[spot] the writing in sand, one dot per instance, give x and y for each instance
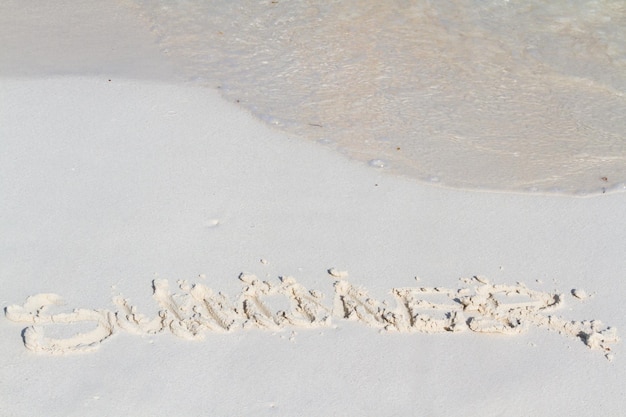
(193, 310)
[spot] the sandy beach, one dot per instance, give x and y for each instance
(183, 257)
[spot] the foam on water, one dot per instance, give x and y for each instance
(497, 95)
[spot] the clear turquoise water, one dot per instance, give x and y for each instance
(523, 96)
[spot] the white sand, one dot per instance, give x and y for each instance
(109, 185)
(106, 184)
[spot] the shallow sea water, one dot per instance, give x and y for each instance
(522, 96)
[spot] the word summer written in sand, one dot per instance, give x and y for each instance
(195, 310)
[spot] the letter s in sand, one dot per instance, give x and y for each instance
(33, 311)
